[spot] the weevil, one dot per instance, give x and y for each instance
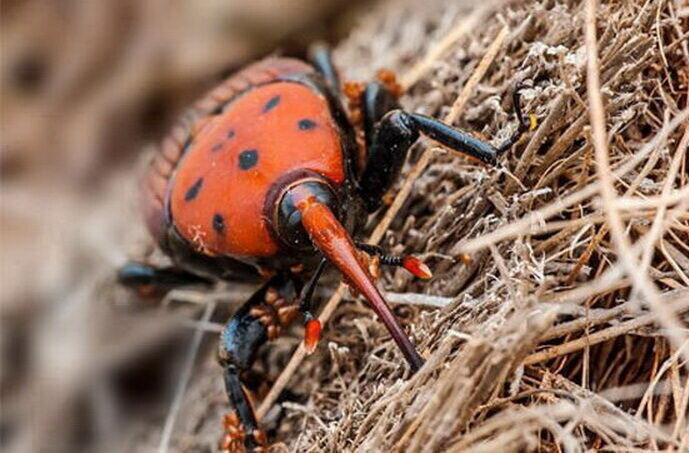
(270, 176)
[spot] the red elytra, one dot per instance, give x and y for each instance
(219, 190)
(175, 158)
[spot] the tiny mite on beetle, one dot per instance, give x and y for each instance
(269, 177)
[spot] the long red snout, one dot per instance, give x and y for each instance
(330, 237)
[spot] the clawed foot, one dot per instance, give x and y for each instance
(236, 440)
(312, 333)
(373, 257)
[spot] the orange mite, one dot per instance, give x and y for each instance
(268, 177)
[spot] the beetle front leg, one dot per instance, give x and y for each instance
(269, 311)
(466, 144)
(386, 153)
(389, 140)
(312, 326)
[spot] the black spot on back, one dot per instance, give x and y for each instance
(218, 223)
(230, 133)
(248, 159)
(271, 104)
(306, 124)
(193, 191)
(217, 147)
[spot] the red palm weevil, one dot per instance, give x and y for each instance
(269, 176)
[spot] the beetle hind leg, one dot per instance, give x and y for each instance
(241, 427)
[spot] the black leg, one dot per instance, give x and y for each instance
(524, 125)
(312, 326)
(261, 318)
(306, 296)
(377, 100)
(390, 137)
(321, 59)
(465, 143)
(151, 281)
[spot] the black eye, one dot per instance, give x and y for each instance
(289, 227)
(293, 232)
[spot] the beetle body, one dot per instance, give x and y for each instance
(270, 176)
(208, 192)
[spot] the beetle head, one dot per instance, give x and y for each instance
(288, 218)
(306, 218)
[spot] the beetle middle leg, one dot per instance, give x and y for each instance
(269, 311)
(150, 281)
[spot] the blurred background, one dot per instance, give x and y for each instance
(87, 90)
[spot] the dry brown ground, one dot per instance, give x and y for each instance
(567, 328)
